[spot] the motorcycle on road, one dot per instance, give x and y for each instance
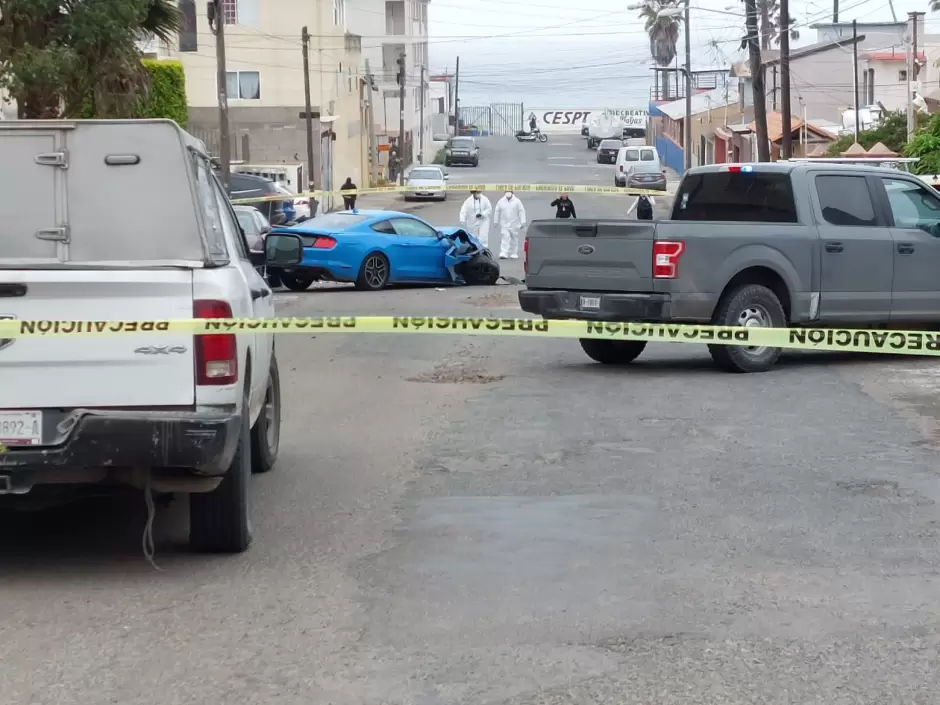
(535, 135)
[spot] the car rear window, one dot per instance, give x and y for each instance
(755, 197)
(647, 155)
(632, 155)
(461, 144)
(336, 221)
(611, 144)
(425, 174)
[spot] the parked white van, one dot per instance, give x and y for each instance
(168, 413)
(630, 157)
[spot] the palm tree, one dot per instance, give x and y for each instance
(663, 31)
(771, 23)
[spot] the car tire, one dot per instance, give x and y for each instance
(612, 352)
(476, 162)
(370, 272)
(297, 282)
(266, 433)
(446, 162)
(219, 521)
(748, 305)
(480, 270)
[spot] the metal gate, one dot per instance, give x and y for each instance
(493, 119)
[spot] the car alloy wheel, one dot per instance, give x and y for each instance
(374, 274)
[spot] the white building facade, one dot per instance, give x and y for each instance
(390, 29)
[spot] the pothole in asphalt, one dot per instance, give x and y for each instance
(457, 373)
(872, 488)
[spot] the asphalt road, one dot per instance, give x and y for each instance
(502, 522)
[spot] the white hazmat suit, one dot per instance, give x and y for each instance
(475, 214)
(510, 217)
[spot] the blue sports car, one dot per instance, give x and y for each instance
(376, 248)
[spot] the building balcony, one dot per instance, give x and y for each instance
(669, 83)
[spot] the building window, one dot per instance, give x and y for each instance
(339, 13)
(902, 75)
(230, 11)
(243, 85)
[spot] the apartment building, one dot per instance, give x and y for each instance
(390, 29)
(265, 84)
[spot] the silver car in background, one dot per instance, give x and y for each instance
(646, 175)
(254, 225)
(426, 182)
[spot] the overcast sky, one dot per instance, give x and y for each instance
(594, 53)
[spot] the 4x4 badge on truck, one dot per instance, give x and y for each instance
(586, 249)
(6, 342)
(161, 350)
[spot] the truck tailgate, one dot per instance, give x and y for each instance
(590, 255)
(148, 370)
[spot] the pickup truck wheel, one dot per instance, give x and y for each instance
(266, 434)
(751, 305)
(612, 352)
(297, 282)
(218, 520)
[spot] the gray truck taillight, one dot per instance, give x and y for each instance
(666, 254)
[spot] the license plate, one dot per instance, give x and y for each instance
(590, 302)
(21, 428)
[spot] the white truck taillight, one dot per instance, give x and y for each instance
(216, 353)
(666, 254)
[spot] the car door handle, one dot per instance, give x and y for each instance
(905, 248)
(259, 294)
(834, 247)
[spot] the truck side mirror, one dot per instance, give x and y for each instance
(283, 250)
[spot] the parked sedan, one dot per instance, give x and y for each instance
(426, 182)
(254, 225)
(607, 151)
(646, 176)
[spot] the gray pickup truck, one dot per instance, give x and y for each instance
(778, 244)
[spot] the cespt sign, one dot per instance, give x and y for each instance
(571, 119)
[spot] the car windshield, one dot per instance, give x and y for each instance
(336, 221)
(611, 144)
(461, 144)
(248, 222)
(429, 174)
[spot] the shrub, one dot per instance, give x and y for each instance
(166, 95)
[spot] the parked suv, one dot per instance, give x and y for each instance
(161, 411)
(461, 150)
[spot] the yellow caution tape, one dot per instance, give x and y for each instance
(869, 341)
(516, 188)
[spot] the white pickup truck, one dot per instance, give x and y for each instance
(124, 220)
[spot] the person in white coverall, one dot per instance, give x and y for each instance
(475, 216)
(510, 217)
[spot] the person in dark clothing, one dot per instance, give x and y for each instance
(563, 206)
(349, 202)
(533, 123)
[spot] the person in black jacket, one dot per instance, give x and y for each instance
(349, 202)
(563, 206)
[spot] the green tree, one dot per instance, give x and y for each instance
(771, 22)
(925, 145)
(892, 133)
(64, 58)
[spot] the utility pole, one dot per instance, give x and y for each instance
(305, 40)
(688, 89)
(373, 146)
(773, 91)
(457, 99)
(912, 22)
(216, 17)
(855, 74)
(835, 11)
(401, 120)
(757, 81)
(421, 122)
(786, 145)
